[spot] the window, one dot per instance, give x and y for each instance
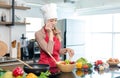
(102, 36)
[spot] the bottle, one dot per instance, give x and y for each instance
(3, 17)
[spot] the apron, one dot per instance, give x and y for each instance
(45, 58)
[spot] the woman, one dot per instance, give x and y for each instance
(49, 38)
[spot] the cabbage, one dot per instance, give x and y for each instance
(83, 60)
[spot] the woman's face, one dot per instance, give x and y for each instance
(52, 22)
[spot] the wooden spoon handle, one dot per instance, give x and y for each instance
(25, 63)
(52, 57)
(70, 57)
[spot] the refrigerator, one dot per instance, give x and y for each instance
(73, 36)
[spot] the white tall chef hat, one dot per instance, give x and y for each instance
(49, 11)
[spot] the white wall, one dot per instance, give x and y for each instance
(5, 34)
(18, 30)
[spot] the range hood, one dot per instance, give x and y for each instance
(70, 1)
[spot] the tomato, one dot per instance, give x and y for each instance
(72, 62)
(100, 62)
(96, 63)
(85, 66)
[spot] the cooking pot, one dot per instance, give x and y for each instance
(37, 68)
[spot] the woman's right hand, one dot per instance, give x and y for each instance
(48, 27)
(70, 52)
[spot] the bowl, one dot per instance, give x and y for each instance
(65, 67)
(112, 63)
(37, 68)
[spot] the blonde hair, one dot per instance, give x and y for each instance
(57, 33)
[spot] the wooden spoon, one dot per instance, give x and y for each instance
(25, 63)
(52, 57)
(70, 58)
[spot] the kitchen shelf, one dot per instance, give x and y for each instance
(21, 23)
(22, 7)
(5, 23)
(16, 23)
(5, 6)
(12, 8)
(16, 7)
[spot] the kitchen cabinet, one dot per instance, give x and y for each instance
(12, 8)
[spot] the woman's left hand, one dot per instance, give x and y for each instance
(70, 52)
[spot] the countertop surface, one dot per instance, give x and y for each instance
(112, 72)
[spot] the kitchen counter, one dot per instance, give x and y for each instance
(112, 72)
(11, 64)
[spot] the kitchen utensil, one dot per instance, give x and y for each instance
(24, 48)
(25, 63)
(65, 67)
(13, 43)
(70, 58)
(18, 50)
(3, 48)
(14, 52)
(52, 57)
(13, 49)
(37, 68)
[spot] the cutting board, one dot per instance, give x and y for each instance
(3, 48)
